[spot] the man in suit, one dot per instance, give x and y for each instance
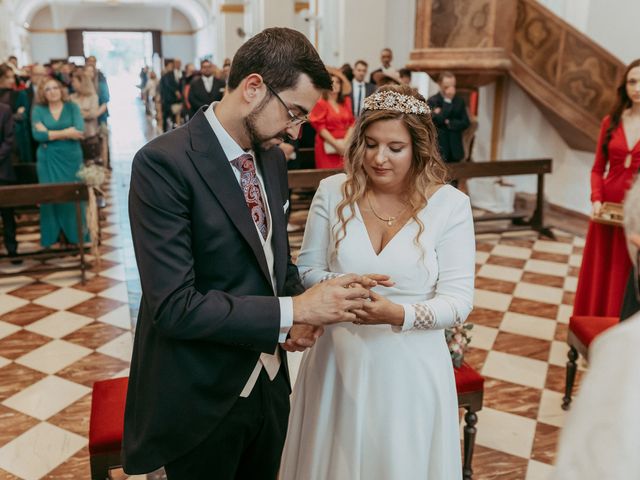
(386, 57)
(449, 114)
(7, 177)
(359, 88)
(205, 89)
(209, 389)
(170, 91)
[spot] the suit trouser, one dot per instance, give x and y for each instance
(8, 226)
(248, 442)
(630, 304)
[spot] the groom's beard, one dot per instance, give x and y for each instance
(260, 141)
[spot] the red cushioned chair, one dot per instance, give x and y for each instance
(106, 426)
(470, 388)
(582, 332)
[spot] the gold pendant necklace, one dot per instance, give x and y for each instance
(389, 221)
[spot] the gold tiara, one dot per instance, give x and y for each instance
(389, 100)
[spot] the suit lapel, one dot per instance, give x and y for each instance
(212, 165)
(267, 164)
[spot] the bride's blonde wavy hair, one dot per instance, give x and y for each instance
(427, 168)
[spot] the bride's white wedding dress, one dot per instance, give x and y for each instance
(376, 402)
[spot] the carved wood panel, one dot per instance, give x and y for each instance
(587, 77)
(461, 23)
(537, 41)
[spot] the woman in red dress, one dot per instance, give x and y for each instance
(605, 261)
(332, 119)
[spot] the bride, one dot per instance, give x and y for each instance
(376, 399)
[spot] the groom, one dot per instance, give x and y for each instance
(209, 388)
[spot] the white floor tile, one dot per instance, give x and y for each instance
(7, 329)
(498, 272)
(64, 298)
(66, 278)
(16, 269)
(558, 353)
(125, 373)
(515, 369)
(46, 397)
(575, 261)
(59, 324)
(117, 292)
(4, 362)
(492, 300)
(39, 450)
(512, 434)
(528, 325)
(512, 252)
(483, 337)
(116, 273)
(547, 268)
(120, 317)
(553, 247)
(538, 293)
(551, 411)
(9, 302)
(564, 313)
(570, 284)
(8, 284)
(120, 347)
(481, 257)
(538, 471)
(53, 356)
(113, 256)
(113, 241)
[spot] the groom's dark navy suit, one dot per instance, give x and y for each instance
(208, 308)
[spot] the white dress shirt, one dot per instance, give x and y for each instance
(232, 151)
(208, 83)
(359, 93)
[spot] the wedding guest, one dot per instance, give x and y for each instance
(7, 177)
(332, 119)
(206, 88)
(376, 399)
(386, 57)
(58, 126)
(605, 263)
(450, 118)
(360, 89)
(84, 95)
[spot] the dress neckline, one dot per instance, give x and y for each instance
(404, 226)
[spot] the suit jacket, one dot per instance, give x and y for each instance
(450, 136)
(169, 89)
(199, 97)
(369, 89)
(7, 174)
(208, 309)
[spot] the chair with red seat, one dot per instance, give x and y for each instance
(582, 332)
(470, 388)
(106, 426)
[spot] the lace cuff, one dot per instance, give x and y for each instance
(421, 316)
(425, 318)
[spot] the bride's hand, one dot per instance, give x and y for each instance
(380, 311)
(378, 279)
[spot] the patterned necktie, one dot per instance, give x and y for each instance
(251, 189)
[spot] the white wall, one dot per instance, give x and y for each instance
(179, 46)
(45, 46)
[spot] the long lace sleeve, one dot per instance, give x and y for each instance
(453, 300)
(313, 261)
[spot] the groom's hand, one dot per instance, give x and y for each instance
(332, 301)
(302, 337)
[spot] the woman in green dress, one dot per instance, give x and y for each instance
(58, 126)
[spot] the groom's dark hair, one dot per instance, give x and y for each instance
(280, 56)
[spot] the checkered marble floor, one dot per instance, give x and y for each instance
(58, 336)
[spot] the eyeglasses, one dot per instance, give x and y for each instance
(49, 89)
(294, 120)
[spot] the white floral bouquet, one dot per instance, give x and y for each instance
(458, 339)
(94, 176)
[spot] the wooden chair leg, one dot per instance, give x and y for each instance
(470, 419)
(572, 367)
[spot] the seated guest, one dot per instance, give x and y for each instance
(206, 88)
(332, 119)
(7, 177)
(598, 440)
(449, 113)
(360, 89)
(58, 126)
